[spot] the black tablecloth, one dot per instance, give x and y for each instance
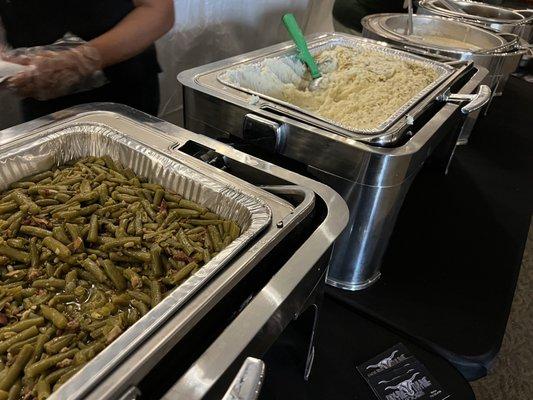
(346, 339)
(451, 268)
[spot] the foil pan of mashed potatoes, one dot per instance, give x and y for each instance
(365, 87)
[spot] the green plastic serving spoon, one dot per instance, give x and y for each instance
(301, 44)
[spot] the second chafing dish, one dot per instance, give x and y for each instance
(392, 131)
(371, 171)
(155, 154)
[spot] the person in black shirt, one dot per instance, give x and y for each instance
(120, 36)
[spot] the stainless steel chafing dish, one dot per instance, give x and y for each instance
(250, 293)
(501, 19)
(372, 172)
(500, 54)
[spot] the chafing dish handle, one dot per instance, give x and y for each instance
(247, 384)
(263, 132)
(475, 101)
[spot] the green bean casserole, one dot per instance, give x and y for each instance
(86, 250)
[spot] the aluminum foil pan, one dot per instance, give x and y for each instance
(443, 71)
(40, 152)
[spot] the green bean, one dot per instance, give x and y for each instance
(14, 392)
(234, 231)
(49, 283)
(119, 257)
(155, 258)
(205, 222)
(54, 316)
(140, 306)
(23, 325)
(133, 277)
(122, 241)
(114, 274)
(122, 299)
(23, 335)
(66, 376)
(39, 344)
(15, 349)
(43, 389)
(155, 291)
(41, 366)
(184, 242)
(110, 209)
(17, 243)
(8, 207)
(93, 268)
(85, 197)
(40, 176)
(59, 233)
(16, 368)
(16, 216)
(61, 298)
(89, 210)
(140, 255)
(46, 202)
(141, 296)
(34, 253)
(85, 186)
(24, 200)
(15, 254)
(93, 229)
(183, 273)
(88, 353)
(57, 247)
(54, 345)
(158, 196)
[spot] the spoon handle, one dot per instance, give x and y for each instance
(301, 44)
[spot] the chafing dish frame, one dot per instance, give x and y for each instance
(373, 179)
(117, 382)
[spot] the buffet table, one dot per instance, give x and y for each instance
(451, 298)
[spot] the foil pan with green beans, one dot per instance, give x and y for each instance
(86, 250)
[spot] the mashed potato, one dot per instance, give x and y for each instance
(359, 89)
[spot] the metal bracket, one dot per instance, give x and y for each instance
(475, 101)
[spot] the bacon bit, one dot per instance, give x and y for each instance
(64, 363)
(73, 325)
(33, 273)
(3, 319)
(163, 208)
(75, 245)
(40, 222)
(180, 255)
(27, 221)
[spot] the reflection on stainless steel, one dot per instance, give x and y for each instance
(498, 53)
(247, 384)
(487, 16)
(147, 134)
(372, 179)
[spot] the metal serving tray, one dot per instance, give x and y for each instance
(219, 96)
(151, 155)
(322, 44)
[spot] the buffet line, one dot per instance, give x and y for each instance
(142, 260)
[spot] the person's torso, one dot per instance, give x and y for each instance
(30, 23)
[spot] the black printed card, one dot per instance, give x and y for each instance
(401, 377)
(384, 361)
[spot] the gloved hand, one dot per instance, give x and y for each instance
(54, 73)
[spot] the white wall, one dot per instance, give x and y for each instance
(210, 30)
